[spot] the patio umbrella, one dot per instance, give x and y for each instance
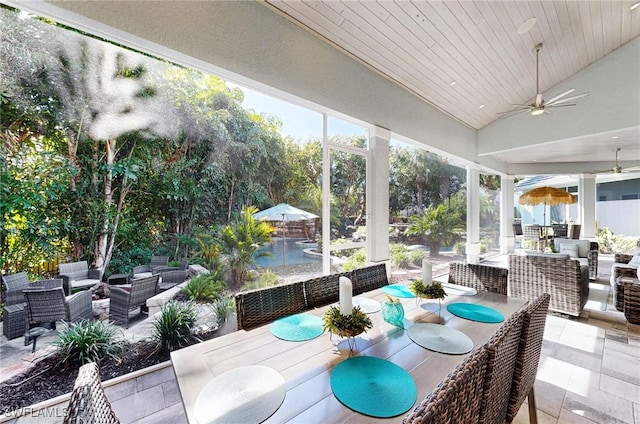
(548, 196)
(284, 212)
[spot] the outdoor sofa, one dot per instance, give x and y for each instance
(565, 279)
(77, 276)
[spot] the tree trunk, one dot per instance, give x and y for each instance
(101, 243)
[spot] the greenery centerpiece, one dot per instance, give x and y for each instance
(428, 291)
(346, 325)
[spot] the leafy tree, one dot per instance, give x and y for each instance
(438, 226)
(241, 242)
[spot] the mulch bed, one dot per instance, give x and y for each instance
(50, 378)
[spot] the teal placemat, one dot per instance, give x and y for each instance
(297, 328)
(398, 290)
(439, 338)
(474, 312)
(373, 386)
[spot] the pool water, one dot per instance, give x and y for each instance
(289, 254)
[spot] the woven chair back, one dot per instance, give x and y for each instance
(51, 283)
(324, 290)
(157, 261)
(480, 277)
(45, 305)
(529, 349)
(369, 278)
(88, 403)
(257, 307)
(457, 398)
(15, 284)
(502, 349)
(142, 289)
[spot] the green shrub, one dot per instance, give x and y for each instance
(204, 288)
(89, 341)
(358, 259)
(416, 256)
(266, 278)
(460, 248)
(174, 327)
(399, 256)
(608, 242)
(223, 307)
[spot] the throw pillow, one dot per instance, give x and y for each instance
(569, 249)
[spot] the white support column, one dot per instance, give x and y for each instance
(377, 186)
(507, 238)
(473, 215)
(587, 200)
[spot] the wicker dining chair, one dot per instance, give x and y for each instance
(369, 278)
(122, 301)
(479, 277)
(502, 349)
(528, 358)
(632, 302)
(51, 305)
(257, 307)
(532, 235)
(321, 291)
(457, 398)
(88, 403)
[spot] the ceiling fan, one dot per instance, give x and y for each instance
(539, 105)
(617, 169)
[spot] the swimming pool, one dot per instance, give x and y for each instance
(291, 254)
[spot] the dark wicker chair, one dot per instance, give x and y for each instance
(526, 369)
(560, 230)
(369, 278)
(88, 403)
(502, 349)
(621, 268)
(143, 271)
(632, 302)
(257, 307)
(457, 398)
(13, 321)
(122, 301)
(78, 276)
(480, 277)
(51, 305)
(532, 236)
(324, 290)
(171, 278)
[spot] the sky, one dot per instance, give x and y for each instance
(298, 122)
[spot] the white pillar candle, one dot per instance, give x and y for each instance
(346, 293)
(426, 271)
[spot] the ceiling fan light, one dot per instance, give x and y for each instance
(538, 110)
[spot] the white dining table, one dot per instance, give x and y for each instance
(306, 366)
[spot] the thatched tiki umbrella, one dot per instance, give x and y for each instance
(549, 196)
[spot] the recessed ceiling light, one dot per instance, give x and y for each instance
(452, 83)
(527, 25)
(481, 106)
(635, 5)
(615, 137)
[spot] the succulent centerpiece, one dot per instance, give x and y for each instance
(346, 325)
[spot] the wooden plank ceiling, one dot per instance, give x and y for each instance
(468, 57)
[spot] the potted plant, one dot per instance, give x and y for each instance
(346, 325)
(392, 311)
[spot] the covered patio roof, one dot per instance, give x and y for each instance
(290, 50)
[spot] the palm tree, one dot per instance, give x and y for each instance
(437, 226)
(241, 242)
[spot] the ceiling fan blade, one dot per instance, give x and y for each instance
(568, 99)
(561, 95)
(557, 105)
(511, 113)
(522, 109)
